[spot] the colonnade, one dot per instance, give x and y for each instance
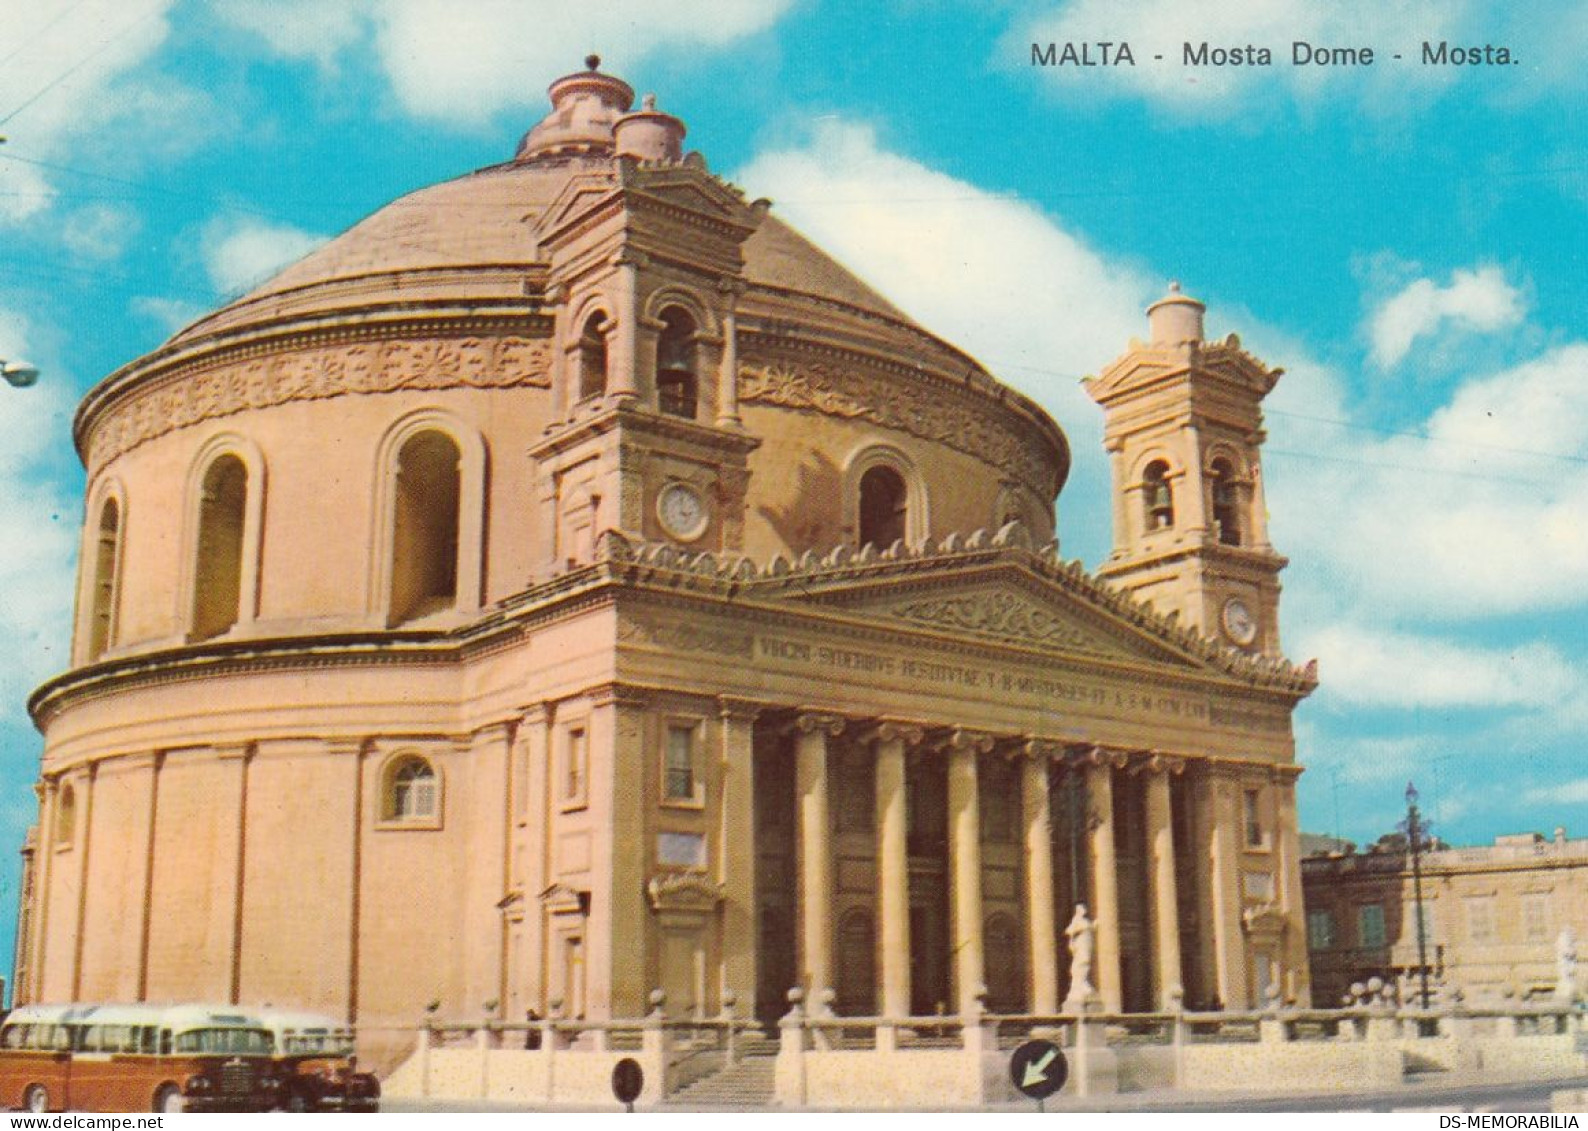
(892, 742)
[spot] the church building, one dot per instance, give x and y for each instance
(571, 582)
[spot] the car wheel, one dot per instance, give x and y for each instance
(168, 1100)
(36, 1098)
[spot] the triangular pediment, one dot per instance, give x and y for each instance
(1021, 611)
(580, 195)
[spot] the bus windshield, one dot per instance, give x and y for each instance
(317, 1042)
(246, 1042)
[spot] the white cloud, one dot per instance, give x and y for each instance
(63, 58)
(38, 527)
(1154, 27)
(1476, 517)
(99, 231)
(992, 274)
(1478, 300)
(308, 29)
(170, 314)
(1574, 792)
(465, 62)
(239, 254)
(1379, 667)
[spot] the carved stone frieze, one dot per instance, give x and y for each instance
(912, 407)
(319, 373)
(687, 638)
(1004, 616)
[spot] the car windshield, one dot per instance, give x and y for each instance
(248, 1042)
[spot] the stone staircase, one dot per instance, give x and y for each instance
(748, 1084)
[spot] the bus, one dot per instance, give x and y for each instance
(317, 1064)
(163, 1058)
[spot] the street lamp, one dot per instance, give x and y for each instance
(1416, 831)
(19, 373)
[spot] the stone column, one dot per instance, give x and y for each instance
(623, 348)
(1224, 892)
(728, 375)
(811, 733)
(964, 854)
(533, 850)
(735, 850)
(893, 867)
(1105, 882)
(1287, 854)
(1162, 893)
(1041, 928)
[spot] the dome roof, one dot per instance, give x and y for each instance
(474, 237)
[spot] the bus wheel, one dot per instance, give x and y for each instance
(168, 1099)
(36, 1098)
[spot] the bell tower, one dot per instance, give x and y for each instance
(642, 257)
(1183, 426)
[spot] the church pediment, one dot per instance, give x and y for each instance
(1007, 612)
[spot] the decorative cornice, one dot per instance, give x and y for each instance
(728, 574)
(223, 384)
(968, 425)
(683, 891)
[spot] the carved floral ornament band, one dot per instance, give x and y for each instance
(196, 395)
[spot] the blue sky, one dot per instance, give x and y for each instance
(1407, 241)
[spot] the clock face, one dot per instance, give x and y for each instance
(1239, 623)
(682, 511)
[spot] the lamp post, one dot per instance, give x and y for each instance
(1415, 831)
(18, 373)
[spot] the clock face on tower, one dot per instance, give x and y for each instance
(682, 511)
(1240, 625)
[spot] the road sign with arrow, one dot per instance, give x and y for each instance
(1038, 1069)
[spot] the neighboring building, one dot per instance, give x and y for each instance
(1492, 920)
(570, 582)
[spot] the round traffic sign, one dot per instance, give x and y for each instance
(1038, 1069)
(628, 1080)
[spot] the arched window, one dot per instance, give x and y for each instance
(107, 561)
(1226, 502)
(410, 792)
(218, 575)
(884, 507)
(424, 575)
(677, 388)
(856, 990)
(1157, 496)
(66, 817)
(593, 357)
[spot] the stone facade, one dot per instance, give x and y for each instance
(570, 582)
(1492, 926)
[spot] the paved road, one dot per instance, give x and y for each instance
(1417, 1095)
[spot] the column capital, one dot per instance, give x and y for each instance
(1040, 749)
(1156, 763)
(730, 287)
(617, 694)
(960, 740)
(535, 713)
(892, 730)
(808, 722)
(732, 708)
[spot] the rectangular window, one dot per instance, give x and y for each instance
(1258, 887)
(1320, 930)
(575, 761)
(679, 769)
(1535, 916)
(681, 850)
(1370, 925)
(1254, 819)
(1480, 919)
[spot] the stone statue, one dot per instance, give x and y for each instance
(1566, 966)
(1082, 933)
